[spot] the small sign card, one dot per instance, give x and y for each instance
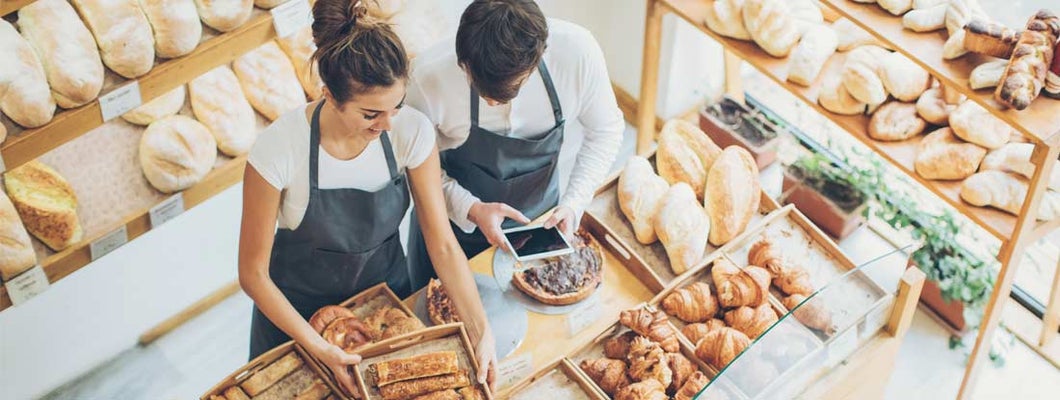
(120, 101)
(109, 242)
(27, 285)
(167, 210)
(514, 369)
(581, 318)
(291, 16)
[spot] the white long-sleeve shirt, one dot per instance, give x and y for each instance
(593, 133)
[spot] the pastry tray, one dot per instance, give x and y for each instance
(507, 319)
(370, 300)
(264, 360)
(561, 380)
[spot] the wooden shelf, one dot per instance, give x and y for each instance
(1040, 122)
(24, 146)
(10, 6)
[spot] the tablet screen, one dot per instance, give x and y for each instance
(536, 241)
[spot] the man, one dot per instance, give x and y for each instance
(522, 100)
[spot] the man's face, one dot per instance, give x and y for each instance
(517, 86)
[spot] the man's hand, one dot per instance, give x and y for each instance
(565, 218)
(489, 217)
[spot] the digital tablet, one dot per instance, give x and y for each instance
(535, 242)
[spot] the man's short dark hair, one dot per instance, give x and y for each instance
(498, 42)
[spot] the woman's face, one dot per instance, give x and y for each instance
(369, 114)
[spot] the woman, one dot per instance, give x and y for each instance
(333, 175)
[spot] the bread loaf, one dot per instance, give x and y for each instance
(24, 93)
(1006, 191)
(732, 195)
(860, 75)
(1025, 75)
(420, 366)
(162, 106)
(122, 33)
(806, 14)
(896, 7)
(975, 124)
(1016, 157)
(265, 378)
(896, 121)
(16, 250)
(269, 81)
(224, 15)
(990, 38)
(683, 227)
(942, 156)
(933, 108)
(639, 193)
(852, 36)
(66, 50)
(817, 45)
(926, 19)
(176, 152)
(46, 203)
(299, 47)
(175, 24)
(685, 155)
(771, 25)
(903, 78)
(836, 98)
(987, 74)
(218, 102)
(726, 18)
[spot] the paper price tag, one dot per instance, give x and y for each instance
(581, 318)
(27, 285)
(289, 17)
(514, 369)
(109, 242)
(120, 101)
(167, 210)
(842, 347)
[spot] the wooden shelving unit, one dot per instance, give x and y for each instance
(1040, 123)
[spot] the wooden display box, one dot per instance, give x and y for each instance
(560, 380)
(367, 302)
(263, 361)
(449, 337)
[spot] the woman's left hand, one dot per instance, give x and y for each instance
(486, 351)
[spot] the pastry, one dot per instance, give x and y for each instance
(66, 50)
(683, 227)
(960, 12)
(974, 124)
(694, 332)
(448, 394)
(653, 325)
(903, 78)
(860, 75)
(692, 303)
(326, 315)
(402, 326)
(471, 393)
(416, 387)
(290, 386)
(566, 279)
(266, 378)
(1016, 157)
(933, 108)
(788, 277)
(896, 121)
(269, 81)
(752, 321)
(176, 152)
(300, 47)
(1006, 191)
(123, 34)
(224, 15)
(639, 193)
(943, 156)
(726, 18)
(990, 38)
(609, 374)
(685, 155)
(806, 15)
(648, 361)
(16, 250)
(175, 24)
(162, 106)
(218, 102)
(953, 48)
(235, 393)
(419, 366)
(649, 389)
(1025, 75)
(317, 391)
(836, 98)
(719, 347)
(24, 93)
(617, 347)
(771, 25)
(852, 36)
(385, 319)
(732, 194)
(813, 314)
(695, 384)
(740, 287)
(896, 7)
(816, 47)
(439, 306)
(926, 19)
(681, 368)
(46, 203)
(988, 74)
(346, 333)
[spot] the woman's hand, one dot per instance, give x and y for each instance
(486, 351)
(339, 361)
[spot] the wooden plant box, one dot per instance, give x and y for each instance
(723, 135)
(829, 216)
(263, 361)
(951, 312)
(560, 380)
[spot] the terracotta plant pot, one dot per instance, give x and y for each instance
(761, 141)
(820, 209)
(952, 312)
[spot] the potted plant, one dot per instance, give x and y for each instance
(731, 123)
(825, 195)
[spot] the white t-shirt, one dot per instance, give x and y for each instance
(281, 156)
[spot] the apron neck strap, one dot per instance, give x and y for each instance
(388, 150)
(553, 98)
(314, 145)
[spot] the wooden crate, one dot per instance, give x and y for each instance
(365, 303)
(541, 385)
(264, 360)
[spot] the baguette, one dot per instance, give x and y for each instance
(417, 387)
(24, 93)
(990, 38)
(122, 33)
(66, 50)
(1025, 75)
(265, 378)
(420, 366)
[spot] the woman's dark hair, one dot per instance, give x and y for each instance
(355, 52)
(498, 42)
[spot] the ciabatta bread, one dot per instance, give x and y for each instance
(66, 50)
(24, 93)
(836, 98)
(46, 203)
(974, 124)
(817, 45)
(639, 193)
(943, 156)
(1016, 157)
(926, 19)
(218, 102)
(224, 15)
(122, 33)
(903, 79)
(269, 81)
(162, 106)
(683, 227)
(733, 193)
(175, 24)
(16, 250)
(988, 74)
(1025, 75)
(771, 25)
(685, 155)
(726, 18)
(1006, 191)
(933, 108)
(176, 152)
(860, 75)
(896, 121)
(300, 47)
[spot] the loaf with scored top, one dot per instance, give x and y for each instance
(46, 203)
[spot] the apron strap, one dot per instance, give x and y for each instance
(474, 106)
(388, 150)
(557, 112)
(314, 146)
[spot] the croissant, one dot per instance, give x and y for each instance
(692, 386)
(692, 303)
(618, 347)
(719, 347)
(694, 332)
(752, 321)
(812, 314)
(648, 361)
(401, 326)
(788, 278)
(682, 369)
(379, 321)
(740, 287)
(609, 374)
(644, 390)
(653, 325)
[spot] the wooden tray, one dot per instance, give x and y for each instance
(367, 302)
(264, 360)
(450, 337)
(561, 380)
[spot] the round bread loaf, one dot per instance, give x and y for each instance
(176, 152)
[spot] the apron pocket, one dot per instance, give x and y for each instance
(334, 274)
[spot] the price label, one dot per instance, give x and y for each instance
(514, 369)
(120, 101)
(167, 210)
(842, 346)
(27, 285)
(3, 167)
(581, 318)
(291, 16)
(108, 243)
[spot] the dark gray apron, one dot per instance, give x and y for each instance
(520, 172)
(347, 242)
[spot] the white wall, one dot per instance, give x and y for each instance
(100, 310)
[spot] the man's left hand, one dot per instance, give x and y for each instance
(565, 219)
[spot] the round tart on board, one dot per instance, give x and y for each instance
(567, 279)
